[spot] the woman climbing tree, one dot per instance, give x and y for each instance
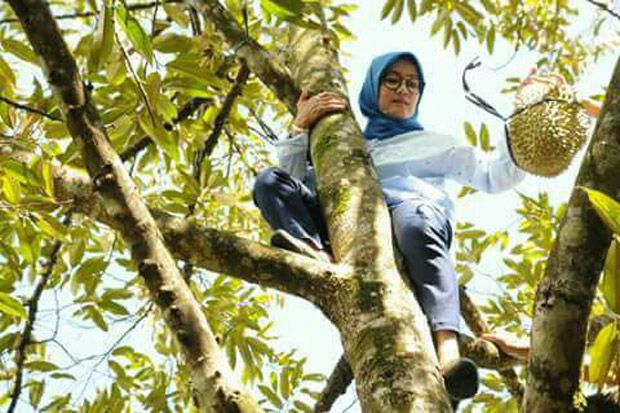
(413, 165)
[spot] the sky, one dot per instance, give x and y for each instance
(443, 109)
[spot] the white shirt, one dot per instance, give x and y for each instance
(415, 166)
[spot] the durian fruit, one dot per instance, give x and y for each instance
(548, 127)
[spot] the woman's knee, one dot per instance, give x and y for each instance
(414, 232)
(269, 182)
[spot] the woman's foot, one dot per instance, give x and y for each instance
(284, 240)
(461, 379)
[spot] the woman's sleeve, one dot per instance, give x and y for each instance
(468, 166)
(292, 155)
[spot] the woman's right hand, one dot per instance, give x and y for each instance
(311, 109)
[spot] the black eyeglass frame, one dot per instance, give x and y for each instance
(418, 88)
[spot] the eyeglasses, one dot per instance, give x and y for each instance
(393, 83)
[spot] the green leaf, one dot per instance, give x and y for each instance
(96, 317)
(470, 134)
(113, 307)
(485, 138)
(468, 13)
(177, 13)
(116, 72)
(611, 277)
(12, 190)
(466, 274)
(398, 10)
(491, 39)
(270, 395)
(92, 266)
(440, 20)
(8, 341)
(20, 50)
(607, 208)
(48, 178)
(162, 138)
(314, 377)
(602, 353)
(466, 190)
(21, 172)
(52, 227)
(35, 392)
(412, 9)
(289, 10)
(172, 43)
(63, 376)
(11, 306)
(57, 404)
(6, 73)
(303, 407)
(285, 385)
(136, 35)
(104, 39)
(387, 8)
(41, 365)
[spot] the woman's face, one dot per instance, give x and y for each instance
(399, 91)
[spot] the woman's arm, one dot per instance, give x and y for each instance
(293, 152)
(468, 166)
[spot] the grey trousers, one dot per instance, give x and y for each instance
(423, 235)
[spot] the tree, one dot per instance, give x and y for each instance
(148, 114)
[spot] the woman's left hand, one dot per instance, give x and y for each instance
(520, 351)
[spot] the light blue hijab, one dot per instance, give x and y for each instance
(381, 126)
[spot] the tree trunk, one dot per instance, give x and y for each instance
(383, 330)
(564, 296)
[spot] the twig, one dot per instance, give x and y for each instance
(336, 385)
(137, 80)
(240, 153)
(87, 14)
(195, 21)
(222, 116)
(186, 111)
(29, 109)
(269, 133)
(110, 349)
(26, 336)
(604, 7)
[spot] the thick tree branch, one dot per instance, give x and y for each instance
(274, 75)
(215, 388)
(208, 248)
(565, 294)
(26, 336)
(336, 386)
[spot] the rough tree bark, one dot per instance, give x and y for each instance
(215, 387)
(564, 296)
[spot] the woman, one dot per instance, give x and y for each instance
(412, 165)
